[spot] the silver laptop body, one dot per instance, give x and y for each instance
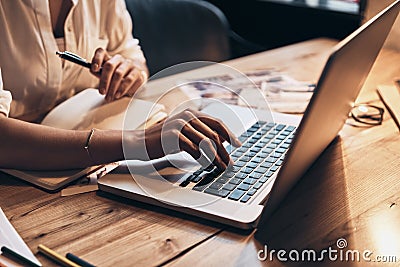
(339, 84)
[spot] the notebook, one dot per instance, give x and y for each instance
(83, 111)
(11, 239)
(242, 196)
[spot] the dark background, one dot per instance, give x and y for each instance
(266, 24)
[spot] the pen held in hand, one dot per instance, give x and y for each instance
(75, 59)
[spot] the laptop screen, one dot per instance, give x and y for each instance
(344, 6)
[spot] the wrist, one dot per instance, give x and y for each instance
(134, 145)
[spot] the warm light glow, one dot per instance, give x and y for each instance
(385, 233)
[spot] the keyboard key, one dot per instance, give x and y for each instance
(252, 192)
(272, 146)
(276, 155)
(229, 187)
(252, 141)
(237, 194)
(285, 133)
(274, 168)
(271, 159)
(279, 163)
(257, 185)
(281, 150)
(241, 175)
(222, 180)
(199, 187)
(245, 198)
(263, 179)
(237, 154)
(242, 149)
(266, 164)
(261, 170)
(229, 174)
(268, 174)
(229, 148)
(284, 145)
(255, 175)
(251, 165)
(215, 192)
(235, 181)
(240, 163)
(257, 160)
(290, 128)
(281, 137)
(243, 187)
(280, 127)
(249, 181)
(197, 179)
(216, 185)
(235, 169)
(242, 138)
(277, 141)
(246, 170)
(234, 158)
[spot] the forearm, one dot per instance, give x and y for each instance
(35, 147)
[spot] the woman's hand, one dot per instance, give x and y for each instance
(196, 133)
(118, 77)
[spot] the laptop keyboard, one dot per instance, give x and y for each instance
(261, 155)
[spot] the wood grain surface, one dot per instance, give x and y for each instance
(352, 192)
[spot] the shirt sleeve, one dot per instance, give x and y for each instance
(5, 99)
(120, 36)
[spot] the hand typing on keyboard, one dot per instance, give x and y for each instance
(194, 132)
(255, 162)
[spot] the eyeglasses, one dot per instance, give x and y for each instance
(367, 114)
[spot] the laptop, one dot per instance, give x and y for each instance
(275, 153)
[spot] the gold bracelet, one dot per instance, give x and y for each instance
(87, 144)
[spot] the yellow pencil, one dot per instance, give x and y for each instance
(56, 257)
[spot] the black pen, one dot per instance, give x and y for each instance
(9, 252)
(78, 260)
(75, 59)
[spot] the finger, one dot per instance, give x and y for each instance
(117, 78)
(140, 80)
(221, 129)
(99, 57)
(209, 133)
(208, 145)
(193, 150)
(128, 84)
(107, 73)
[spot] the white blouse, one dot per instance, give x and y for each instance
(33, 73)
(5, 99)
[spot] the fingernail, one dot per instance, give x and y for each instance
(95, 67)
(117, 95)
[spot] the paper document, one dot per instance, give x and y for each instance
(10, 238)
(259, 89)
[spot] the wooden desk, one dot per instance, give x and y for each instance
(352, 191)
